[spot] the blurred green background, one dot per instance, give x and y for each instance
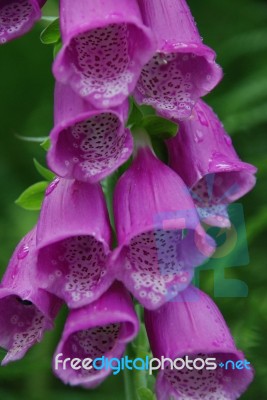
(237, 30)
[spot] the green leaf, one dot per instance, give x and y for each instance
(31, 198)
(44, 172)
(160, 127)
(145, 394)
(140, 343)
(108, 186)
(33, 139)
(51, 34)
(135, 114)
(3, 352)
(160, 149)
(46, 144)
(48, 18)
(147, 110)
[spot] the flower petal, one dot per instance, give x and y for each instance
(102, 328)
(26, 311)
(203, 155)
(197, 323)
(183, 68)
(74, 238)
(87, 144)
(17, 17)
(159, 234)
(102, 54)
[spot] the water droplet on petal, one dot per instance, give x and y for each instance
(228, 140)
(198, 136)
(162, 60)
(52, 186)
(23, 252)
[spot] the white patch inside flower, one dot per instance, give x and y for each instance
(102, 61)
(154, 269)
(172, 82)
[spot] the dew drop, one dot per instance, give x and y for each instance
(23, 252)
(52, 186)
(198, 136)
(228, 140)
(162, 60)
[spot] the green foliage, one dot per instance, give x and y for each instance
(32, 198)
(46, 143)
(159, 127)
(108, 186)
(44, 172)
(145, 394)
(51, 34)
(144, 117)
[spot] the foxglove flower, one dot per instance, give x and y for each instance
(183, 68)
(26, 311)
(159, 235)
(105, 46)
(192, 325)
(17, 17)
(74, 238)
(87, 144)
(101, 329)
(203, 155)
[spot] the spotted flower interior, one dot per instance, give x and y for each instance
(92, 343)
(172, 83)
(74, 269)
(103, 63)
(90, 149)
(22, 324)
(159, 264)
(204, 384)
(214, 192)
(16, 17)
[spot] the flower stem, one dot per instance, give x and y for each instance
(129, 387)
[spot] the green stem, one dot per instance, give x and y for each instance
(129, 388)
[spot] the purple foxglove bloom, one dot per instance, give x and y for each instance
(17, 17)
(183, 68)
(26, 311)
(87, 144)
(105, 46)
(192, 325)
(203, 155)
(100, 329)
(160, 239)
(74, 238)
